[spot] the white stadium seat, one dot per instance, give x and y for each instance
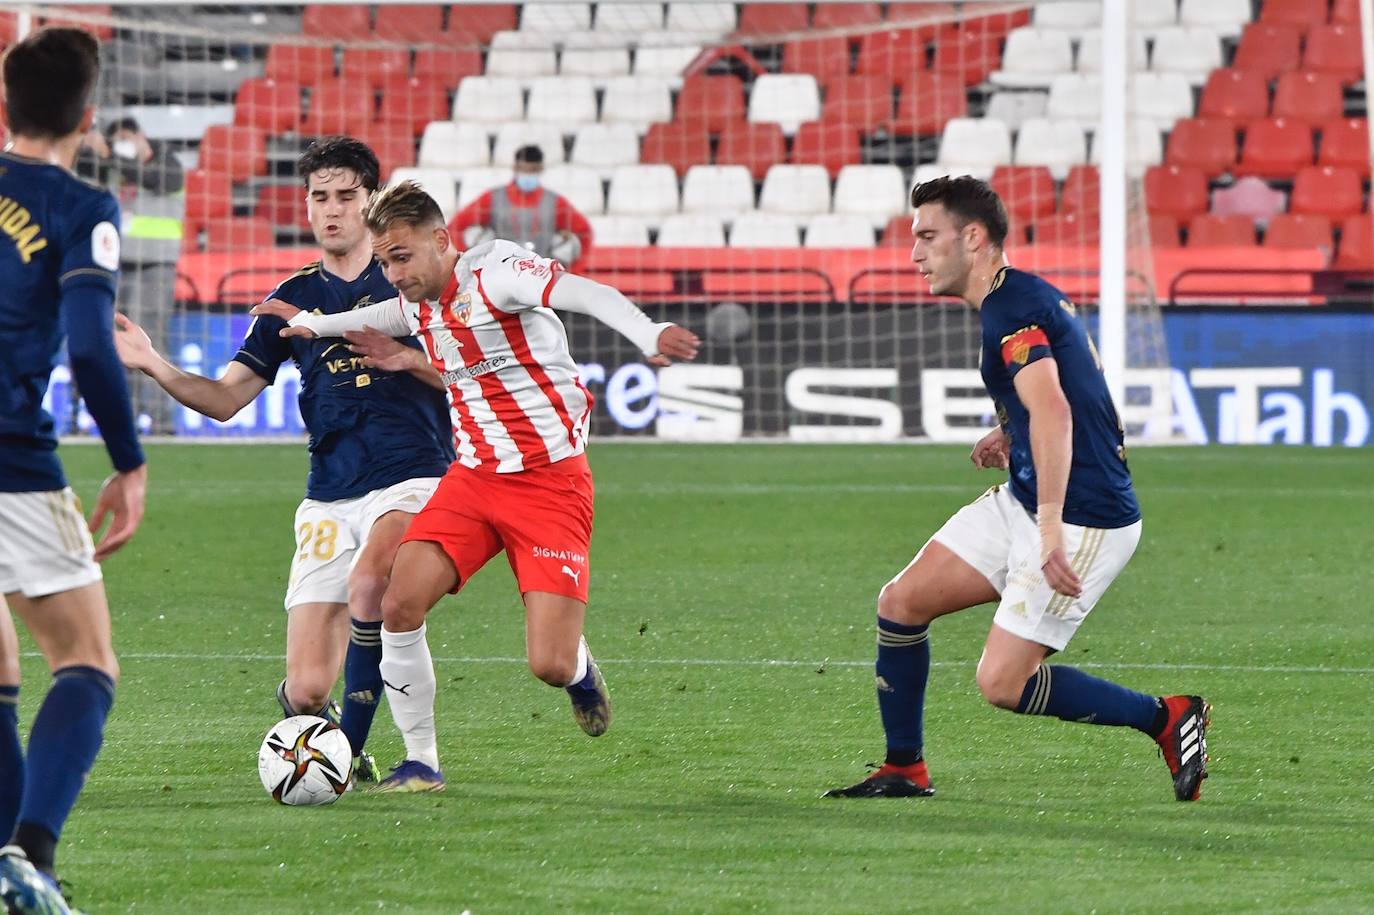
(512, 136)
(797, 191)
(522, 63)
(619, 232)
(786, 99)
(512, 38)
(601, 63)
(1015, 107)
(1033, 57)
(873, 192)
(974, 146)
(1058, 145)
(1193, 53)
(1075, 97)
(555, 17)
(725, 191)
(703, 18)
(1068, 15)
(1153, 14)
(474, 182)
(1090, 52)
(1161, 97)
(839, 230)
(932, 170)
(582, 186)
(647, 191)
(566, 101)
(764, 230)
(629, 17)
(1144, 147)
(691, 230)
(605, 146)
(488, 100)
(437, 182)
(447, 145)
(638, 101)
(1225, 17)
(665, 54)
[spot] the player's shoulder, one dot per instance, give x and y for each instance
(305, 278)
(493, 252)
(1020, 292)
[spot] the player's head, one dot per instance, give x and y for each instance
(529, 164)
(410, 240)
(957, 220)
(49, 78)
(339, 174)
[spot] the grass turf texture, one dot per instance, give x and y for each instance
(711, 563)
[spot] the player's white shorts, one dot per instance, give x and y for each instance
(998, 537)
(45, 547)
(330, 537)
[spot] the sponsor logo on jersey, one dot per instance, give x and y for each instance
(486, 366)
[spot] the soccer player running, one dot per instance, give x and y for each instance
(59, 259)
(1048, 542)
(521, 481)
(379, 442)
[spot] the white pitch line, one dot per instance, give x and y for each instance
(763, 662)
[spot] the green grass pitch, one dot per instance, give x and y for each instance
(733, 607)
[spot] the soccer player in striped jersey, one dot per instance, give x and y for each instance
(521, 481)
(59, 260)
(1047, 543)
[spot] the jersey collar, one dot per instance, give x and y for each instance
(450, 291)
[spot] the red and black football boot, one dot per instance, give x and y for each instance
(1184, 743)
(890, 781)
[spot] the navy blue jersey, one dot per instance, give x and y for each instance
(368, 429)
(1025, 319)
(59, 262)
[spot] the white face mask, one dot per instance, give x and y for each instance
(124, 149)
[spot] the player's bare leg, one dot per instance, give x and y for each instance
(936, 583)
(316, 636)
(558, 655)
(423, 573)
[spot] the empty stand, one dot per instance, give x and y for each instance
(874, 192)
(724, 190)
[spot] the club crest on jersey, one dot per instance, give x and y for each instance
(461, 309)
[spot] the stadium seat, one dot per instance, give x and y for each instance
(474, 182)
(1299, 230)
(282, 205)
(755, 146)
(306, 65)
(269, 104)
(409, 103)
(764, 230)
(1209, 145)
(1250, 197)
(521, 63)
(1209, 231)
(1057, 145)
(1345, 12)
(619, 231)
(824, 58)
(898, 52)
(1066, 229)
(237, 151)
(797, 191)
(788, 100)
(647, 191)
(1068, 15)
(476, 23)
(1027, 191)
(1144, 147)
(555, 18)
(1335, 49)
(515, 134)
(446, 66)
(1015, 107)
(436, 182)
(832, 144)
(1327, 191)
(702, 18)
(769, 19)
(845, 15)
(600, 63)
(1311, 98)
(723, 190)
(566, 101)
(339, 106)
(716, 101)
(1153, 14)
(1300, 14)
(1075, 98)
(1225, 17)
(208, 195)
(1160, 97)
(679, 144)
(1356, 249)
(928, 103)
(897, 233)
(1275, 148)
(488, 100)
(395, 149)
(863, 103)
(1090, 52)
(628, 18)
(929, 16)
(347, 21)
(1176, 190)
(875, 192)
(639, 101)
(1345, 142)
(1163, 231)
(239, 233)
(666, 56)
(1033, 57)
(838, 230)
(691, 230)
(1192, 53)
(970, 53)
(376, 66)
(1082, 191)
(974, 144)
(605, 147)
(582, 186)
(413, 23)
(446, 144)
(1268, 49)
(1234, 96)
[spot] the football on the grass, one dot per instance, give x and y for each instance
(305, 761)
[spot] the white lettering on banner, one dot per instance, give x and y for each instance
(802, 397)
(954, 394)
(1327, 402)
(1238, 410)
(700, 403)
(1289, 422)
(631, 385)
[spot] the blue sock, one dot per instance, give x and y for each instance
(11, 761)
(902, 668)
(362, 682)
(1069, 694)
(63, 744)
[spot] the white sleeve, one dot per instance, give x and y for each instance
(511, 277)
(391, 317)
(609, 306)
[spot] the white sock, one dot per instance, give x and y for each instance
(581, 661)
(407, 665)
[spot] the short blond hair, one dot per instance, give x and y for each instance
(404, 202)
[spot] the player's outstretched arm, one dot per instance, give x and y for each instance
(216, 398)
(390, 355)
(661, 342)
(1051, 441)
(387, 317)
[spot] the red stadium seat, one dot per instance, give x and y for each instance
(1175, 190)
(1326, 190)
(971, 53)
(832, 143)
(447, 66)
(1345, 12)
(1310, 98)
(680, 144)
(1210, 231)
(1237, 96)
(394, 148)
(9, 27)
(1356, 250)
(1335, 49)
(1207, 144)
(1027, 190)
(476, 24)
(897, 233)
(410, 22)
(346, 21)
(757, 147)
(237, 151)
(339, 106)
(208, 195)
(928, 102)
(304, 65)
(1270, 49)
(928, 18)
(1299, 230)
(772, 18)
(375, 65)
(101, 32)
(861, 102)
(998, 25)
(1066, 229)
(1082, 192)
(716, 101)
(899, 53)
(273, 105)
(408, 104)
(1300, 14)
(1345, 142)
(282, 205)
(844, 15)
(824, 58)
(239, 233)
(1163, 231)
(1275, 148)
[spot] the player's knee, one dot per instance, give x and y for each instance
(895, 605)
(402, 612)
(306, 695)
(365, 591)
(1001, 686)
(553, 670)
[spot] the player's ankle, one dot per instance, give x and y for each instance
(902, 759)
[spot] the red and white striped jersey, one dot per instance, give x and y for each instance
(515, 400)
